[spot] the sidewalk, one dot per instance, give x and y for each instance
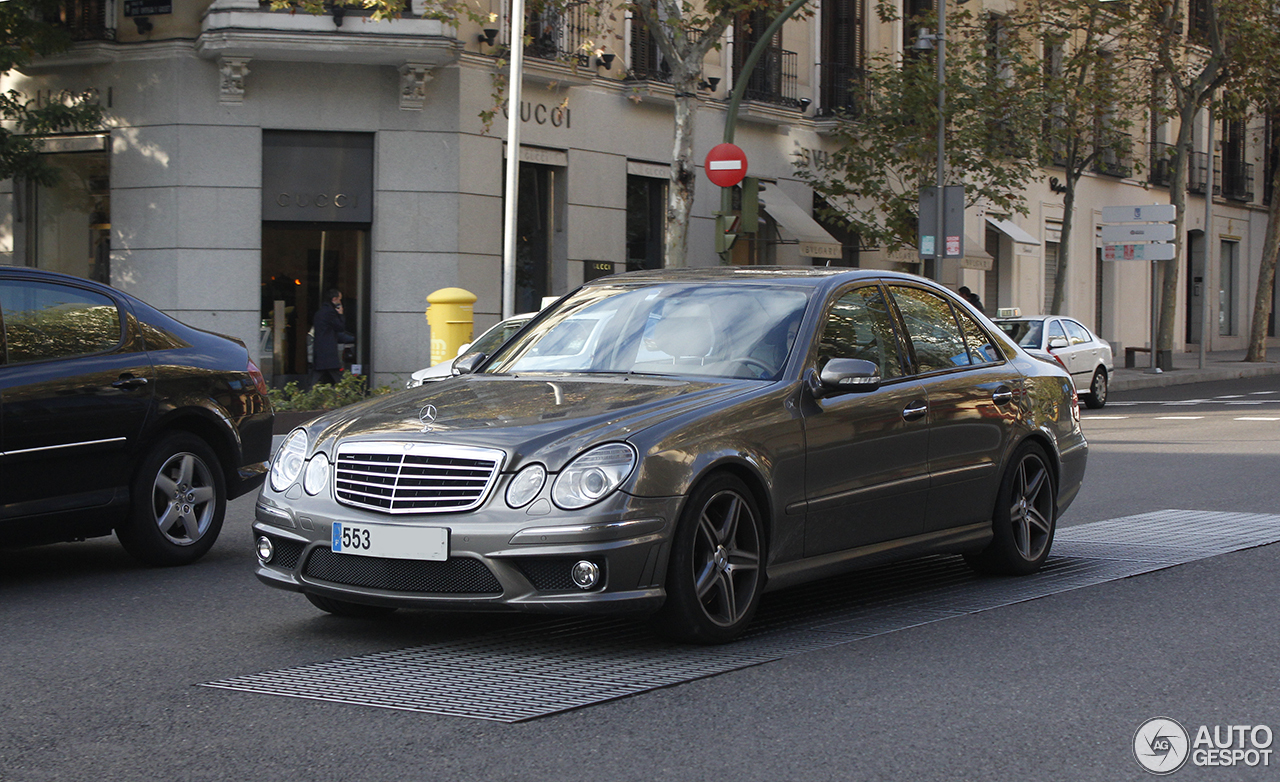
(1218, 365)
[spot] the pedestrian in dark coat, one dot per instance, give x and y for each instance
(972, 298)
(330, 328)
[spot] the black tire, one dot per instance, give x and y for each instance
(1023, 521)
(715, 572)
(178, 500)
(344, 608)
(1097, 396)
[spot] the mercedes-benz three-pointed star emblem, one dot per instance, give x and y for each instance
(427, 415)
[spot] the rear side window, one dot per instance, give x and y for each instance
(933, 329)
(1077, 333)
(44, 321)
(982, 349)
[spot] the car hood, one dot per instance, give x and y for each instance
(545, 417)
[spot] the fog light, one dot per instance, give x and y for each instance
(585, 574)
(265, 550)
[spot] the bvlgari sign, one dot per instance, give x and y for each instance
(317, 177)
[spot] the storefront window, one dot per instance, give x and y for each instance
(69, 223)
(646, 210)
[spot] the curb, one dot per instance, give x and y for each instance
(1131, 379)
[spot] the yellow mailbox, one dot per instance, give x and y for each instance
(450, 318)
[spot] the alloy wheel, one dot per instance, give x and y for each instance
(726, 558)
(1031, 511)
(183, 498)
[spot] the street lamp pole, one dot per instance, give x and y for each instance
(511, 190)
(939, 243)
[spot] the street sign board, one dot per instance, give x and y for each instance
(1149, 232)
(1156, 251)
(726, 165)
(952, 243)
(1151, 213)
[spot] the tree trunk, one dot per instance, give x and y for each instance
(683, 173)
(1180, 178)
(1266, 276)
(1064, 243)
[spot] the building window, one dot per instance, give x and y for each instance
(69, 222)
(1237, 175)
(646, 210)
(843, 56)
(1050, 274)
(774, 78)
(914, 14)
(1227, 271)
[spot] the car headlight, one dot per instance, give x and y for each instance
(593, 475)
(526, 485)
(316, 477)
(288, 461)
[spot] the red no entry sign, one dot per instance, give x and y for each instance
(726, 165)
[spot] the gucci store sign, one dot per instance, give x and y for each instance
(314, 176)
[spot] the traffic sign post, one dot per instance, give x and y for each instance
(726, 166)
(1142, 233)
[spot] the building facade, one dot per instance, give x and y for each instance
(254, 159)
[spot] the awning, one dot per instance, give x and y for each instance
(1012, 231)
(975, 257)
(814, 240)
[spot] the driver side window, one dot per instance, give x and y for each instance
(859, 326)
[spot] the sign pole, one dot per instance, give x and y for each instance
(1208, 246)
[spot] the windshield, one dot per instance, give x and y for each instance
(739, 330)
(1025, 332)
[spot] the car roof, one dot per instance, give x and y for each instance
(810, 276)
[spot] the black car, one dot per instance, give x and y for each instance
(115, 416)
(680, 441)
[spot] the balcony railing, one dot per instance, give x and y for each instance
(556, 34)
(87, 20)
(841, 85)
(774, 79)
(1198, 175)
(1160, 164)
(1234, 180)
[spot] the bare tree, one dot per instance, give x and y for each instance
(1090, 74)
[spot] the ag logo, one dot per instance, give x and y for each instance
(1161, 745)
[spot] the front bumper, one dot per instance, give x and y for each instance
(498, 558)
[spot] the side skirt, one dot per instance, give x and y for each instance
(969, 538)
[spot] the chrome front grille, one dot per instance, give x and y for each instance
(393, 477)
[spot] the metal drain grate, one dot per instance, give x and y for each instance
(563, 664)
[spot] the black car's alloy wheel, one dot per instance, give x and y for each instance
(343, 608)
(1097, 396)
(714, 577)
(1023, 522)
(179, 498)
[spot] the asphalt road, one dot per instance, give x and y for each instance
(99, 659)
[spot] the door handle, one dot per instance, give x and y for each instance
(129, 381)
(1002, 395)
(915, 411)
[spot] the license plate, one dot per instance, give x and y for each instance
(393, 541)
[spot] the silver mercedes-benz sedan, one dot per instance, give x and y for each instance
(680, 442)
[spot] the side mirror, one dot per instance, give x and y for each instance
(844, 376)
(1057, 342)
(465, 365)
